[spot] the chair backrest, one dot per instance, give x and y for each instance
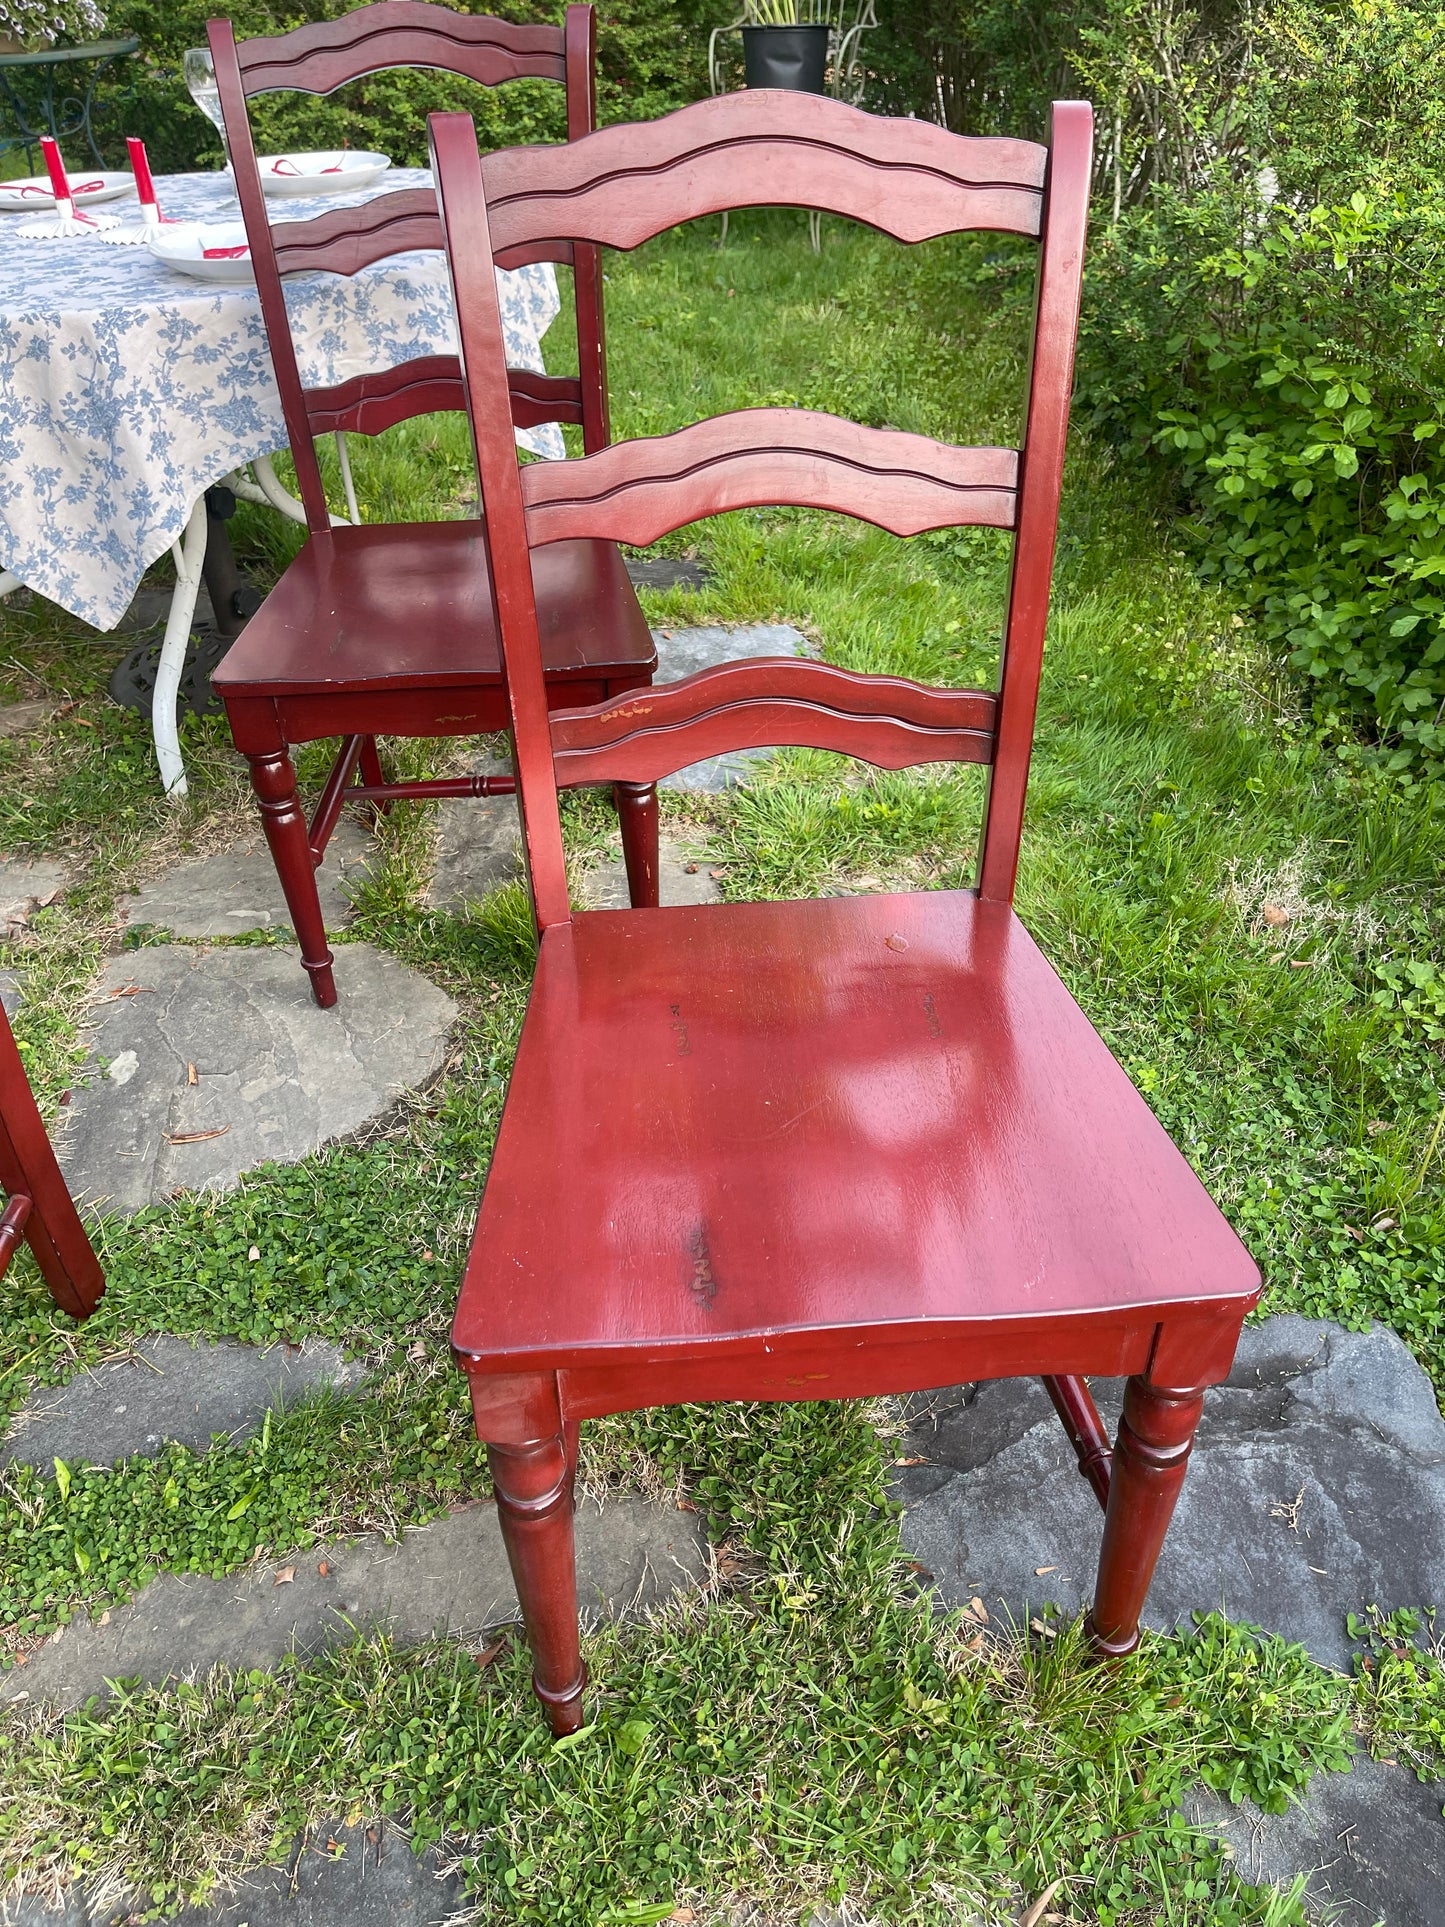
(767, 149)
(319, 58)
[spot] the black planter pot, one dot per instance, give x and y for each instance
(793, 57)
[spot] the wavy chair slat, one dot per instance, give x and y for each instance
(345, 240)
(637, 491)
(629, 182)
(325, 54)
(884, 720)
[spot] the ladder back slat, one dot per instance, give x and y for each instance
(323, 55)
(637, 491)
(628, 183)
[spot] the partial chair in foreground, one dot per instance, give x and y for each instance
(38, 1207)
(813, 1149)
(388, 630)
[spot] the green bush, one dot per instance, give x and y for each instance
(1291, 378)
(652, 56)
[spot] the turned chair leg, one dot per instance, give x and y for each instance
(274, 781)
(1156, 1434)
(637, 813)
(534, 1503)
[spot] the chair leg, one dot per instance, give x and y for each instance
(534, 1503)
(1156, 1434)
(274, 781)
(373, 774)
(637, 813)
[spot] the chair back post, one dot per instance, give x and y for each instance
(251, 195)
(1051, 375)
(580, 32)
(457, 166)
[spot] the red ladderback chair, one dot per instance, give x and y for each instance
(38, 1206)
(388, 630)
(827, 1148)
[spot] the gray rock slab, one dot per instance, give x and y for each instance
(479, 846)
(26, 886)
(25, 719)
(683, 652)
(165, 1390)
(451, 1576)
(1372, 1842)
(1317, 1486)
(276, 1076)
(235, 891)
(681, 878)
(337, 1875)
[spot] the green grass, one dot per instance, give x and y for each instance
(804, 1727)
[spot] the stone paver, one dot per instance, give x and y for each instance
(681, 878)
(237, 890)
(479, 846)
(275, 1076)
(1372, 1842)
(449, 1576)
(12, 992)
(1317, 1486)
(26, 885)
(25, 719)
(339, 1875)
(167, 1389)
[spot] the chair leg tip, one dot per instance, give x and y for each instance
(1115, 1646)
(323, 983)
(563, 1710)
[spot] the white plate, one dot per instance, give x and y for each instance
(183, 246)
(336, 171)
(33, 194)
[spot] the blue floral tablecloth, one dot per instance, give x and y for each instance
(127, 388)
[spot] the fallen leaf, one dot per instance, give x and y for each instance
(418, 1350)
(1358, 1236)
(689, 869)
(1039, 1571)
(104, 1619)
(1036, 1913)
(1274, 916)
(192, 1074)
(489, 1653)
(323, 1569)
(428, 1257)
(196, 1137)
(910, 1461)
(682, 1914)
(1300, 963)
(284, 1576)
(131, 990)
(335, 1847)
(1382, 1223)
(977, 1608)
(254, 1253)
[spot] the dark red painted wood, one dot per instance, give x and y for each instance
(636, 491)
(763, 149)
(387, 630)
(1079, 1416)
(40, 1208)
(813, 1149)
(884, 720)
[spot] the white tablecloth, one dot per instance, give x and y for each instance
(126, 388)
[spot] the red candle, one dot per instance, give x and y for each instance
(55, 167)
(145, 187)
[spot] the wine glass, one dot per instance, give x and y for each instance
(199, 72)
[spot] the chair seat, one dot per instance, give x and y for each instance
(409, 606)
(729, 1124)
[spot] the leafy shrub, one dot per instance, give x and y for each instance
(652, 56)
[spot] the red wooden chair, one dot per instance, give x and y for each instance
(388, 630)
(815, 1149)
(39, 1208)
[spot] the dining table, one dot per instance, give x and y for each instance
(128, 388)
